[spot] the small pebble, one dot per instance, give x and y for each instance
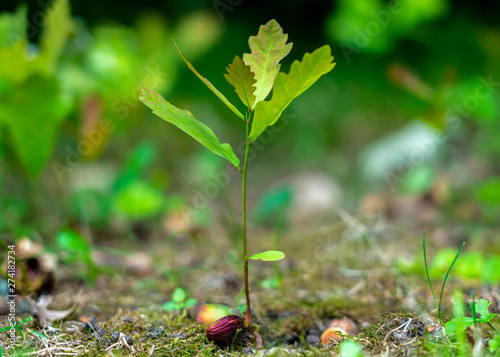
(156, 332)
(248, 351)
(117, 335)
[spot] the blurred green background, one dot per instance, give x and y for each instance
(411, 107)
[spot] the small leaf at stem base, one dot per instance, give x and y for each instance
(268, 256)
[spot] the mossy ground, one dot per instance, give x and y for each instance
(392, 310)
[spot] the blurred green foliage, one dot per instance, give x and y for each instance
(74, 249)
(473, 264)
(32, 105)
(73, 136)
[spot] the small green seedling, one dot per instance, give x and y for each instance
(17, 327)
(253, 77)
(445, 278)
(494, 344)
(179, 301)
(462, 322)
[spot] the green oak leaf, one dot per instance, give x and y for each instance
(268, 256)
(211, 86)
(185, 121)
(240, 76)
(289, 86)
(268, 48)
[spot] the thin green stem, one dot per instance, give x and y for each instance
(427, 272)
(277, 235)
(248, 315)
(446, 278)
(473, 310)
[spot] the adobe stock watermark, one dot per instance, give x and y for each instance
(484, 89)
(364, 35)
(223, 6)
(91, 139)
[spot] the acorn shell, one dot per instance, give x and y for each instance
(330, 334)
(348, 325)
(223, 331)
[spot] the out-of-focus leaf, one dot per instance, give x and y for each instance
(211, 86)
(139, 200)
(152, 31)
(179, 295)
(32, 114)
(242, 79)
(415, 13)
(138, 160)
(56, 28)
(172, 306)
(268, 256)
(441, 262)
(289, 86)
(190, 302)
(271, 203)
(198, 32)
(75, 244)
(491, 270)
(494, 344)
(489, 191)
(350, 349)
(268, 48)
(375, 25)
(347, 26)
(13, 64)
(484, 108)
(470, 265)
(13, 27)
(419, 180)
(113, 61)
(185, 121)
(458, 325)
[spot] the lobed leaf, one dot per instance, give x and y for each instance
(289, 86)
(481, 307)
(211, 86)
(268, 256)
(268, 48)
(185, 121)
(240, 76)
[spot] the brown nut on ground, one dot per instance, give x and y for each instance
(223, 331)
(331, 334)
(345, 324)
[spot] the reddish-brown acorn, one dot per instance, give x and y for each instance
(223, 331)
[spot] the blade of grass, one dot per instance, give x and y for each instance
(427, 272)
(473, 311)
(446, 278)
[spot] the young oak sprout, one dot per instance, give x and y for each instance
(253, 77)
